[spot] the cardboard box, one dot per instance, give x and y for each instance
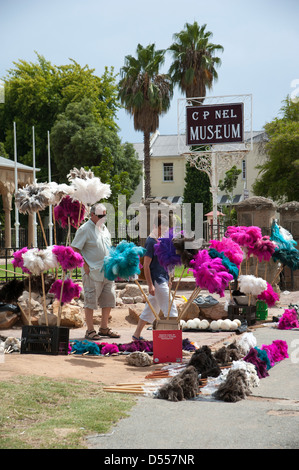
(167, 346)
(167, 324)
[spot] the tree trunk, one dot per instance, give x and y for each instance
(147, 165)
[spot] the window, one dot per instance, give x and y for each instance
(167, 171)
(243, 169)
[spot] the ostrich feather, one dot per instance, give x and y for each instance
(244, 236)
(59, 191)
(90, 190)
(70, 290)
(67, 257)
(38, 261)
(82, 173)
(282, 238)
(186, 254)
(18, 261)
(260, 365)
(249, 284)
(277, 351)
(234, 388)
(230, 249)
(123, 261)
(231, 267)
(262, 249)
(288, 257)
(68, 209)
(288, 320)
(210, 273)
(165, 251)
(32, 198)
(269, 296)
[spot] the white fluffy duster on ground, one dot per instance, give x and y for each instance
(246, 342)
(90, 191)
(249, 284)
(38, 261)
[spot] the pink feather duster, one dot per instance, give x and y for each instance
(244, 236)
(269, 296)
(210, 273)
(69, 292)
(288, 320)
(277, 351)
(67, 257)
(230, 249)
(262, 249)
(68, 208)
(18, 261)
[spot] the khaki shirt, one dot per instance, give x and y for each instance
(94, 243)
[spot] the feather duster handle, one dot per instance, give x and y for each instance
(67, 257)
(18, 261)
(69, 211)
(251, 285)
(123, 261)
(210, 273)
(38, 261)
(90, 191)
(166, 253)
(65, 290)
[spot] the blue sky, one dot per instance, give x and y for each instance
(260, 40)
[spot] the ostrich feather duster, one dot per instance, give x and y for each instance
(165, 251)
(262, 249)
(246, 342)
(38, 261)
(288, 320)
(277, 351)
(210, 273)
(269, 296)
(244, 236)
(68, 209)
(288, 257)
(82, 173)
(59, 191)
(249, 284)
(260, 365)
(235, 387)
(90, 190)
(70, 290)
(231, 267)
(186, 254)
(18, 261)
(281, 237)
(33, 198)
(230, 249)
(67, 257)
(123, 261)
(250, 372)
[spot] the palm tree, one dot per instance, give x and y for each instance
(146, 95)
(193, 67)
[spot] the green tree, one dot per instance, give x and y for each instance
(35, 93)
(146, 95)
(228, 185)
(194, 62)
(197, 190)
(279, 175)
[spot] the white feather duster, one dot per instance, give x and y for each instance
(90, 191)
(58, 191)
(33, 198)
(83, 174)
(249, 284)
(39, 261)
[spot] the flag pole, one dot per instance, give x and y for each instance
(17, 225)
(50, 207)
(34, 181)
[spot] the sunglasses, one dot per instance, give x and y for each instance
(100, 216)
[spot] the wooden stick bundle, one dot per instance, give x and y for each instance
(190, 300)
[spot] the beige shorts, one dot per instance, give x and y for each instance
(98, 293)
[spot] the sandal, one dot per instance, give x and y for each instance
(92, 334)
(138, 339)
(108, 332)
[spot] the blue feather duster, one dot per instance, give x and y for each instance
(123, 261)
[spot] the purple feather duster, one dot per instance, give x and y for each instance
(166, 252)
(260, 365)
(210, 273)
(18, 261)
(67, 257)
(67, 208)
(69, 292)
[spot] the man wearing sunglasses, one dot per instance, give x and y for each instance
(93, 241)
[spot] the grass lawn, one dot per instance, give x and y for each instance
(41, 413)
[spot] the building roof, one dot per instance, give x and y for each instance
(167, 145)
(7, 163)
